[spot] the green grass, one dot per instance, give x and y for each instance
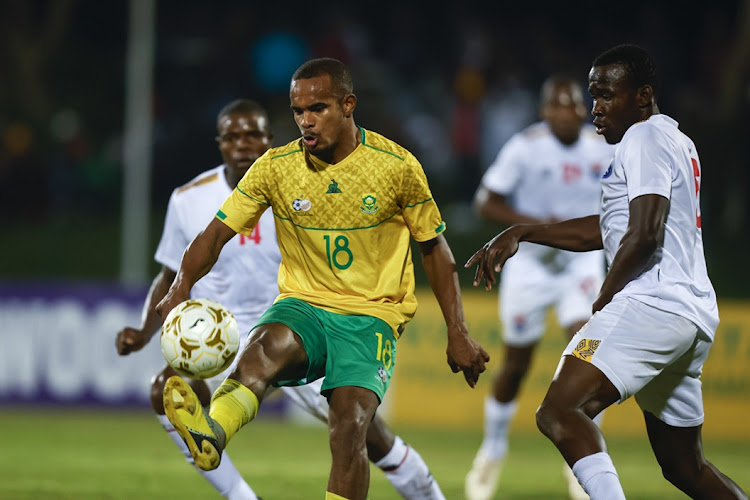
(77, 454)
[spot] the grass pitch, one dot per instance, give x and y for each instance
(79, 454)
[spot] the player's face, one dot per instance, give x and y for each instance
(615, 107)
(564, 111)
(320, 115)
(242, 139)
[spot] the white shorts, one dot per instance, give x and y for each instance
(528, 288)
(655, 355)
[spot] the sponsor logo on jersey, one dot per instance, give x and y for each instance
(301, 205)
(586, 348)
(333, 187)
(369, 204)
(608, 172)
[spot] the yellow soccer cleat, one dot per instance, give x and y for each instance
(481, 481)
(203, 436)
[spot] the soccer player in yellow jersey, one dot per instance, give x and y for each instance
(346, 202)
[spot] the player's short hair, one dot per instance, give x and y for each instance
(241, 106)
(340, 77)
(636, 61)
(553, 81)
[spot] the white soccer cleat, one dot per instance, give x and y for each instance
(575, 490)
(481, 481)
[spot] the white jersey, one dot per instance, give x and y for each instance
(543, 178)
(654, 157)
(244, 278)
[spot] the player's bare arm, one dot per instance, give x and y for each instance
(494, 207)
(577, 235)
(464, 353)
(133, 339)
(645, 234)
(198, 259)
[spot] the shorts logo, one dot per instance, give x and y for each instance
(300, 205)
(369, 204)
(382, 374)
(519, 323)
(585, 349)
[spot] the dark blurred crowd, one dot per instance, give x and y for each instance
(451, 83)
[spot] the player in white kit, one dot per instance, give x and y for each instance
(656, 314)
(549, 171)
(244, 279)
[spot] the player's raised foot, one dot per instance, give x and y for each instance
(204, 437)
(575, 490)
(481, 481)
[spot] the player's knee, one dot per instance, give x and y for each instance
(347, 439)
(548, 420)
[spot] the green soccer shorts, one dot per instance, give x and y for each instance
(347, 350)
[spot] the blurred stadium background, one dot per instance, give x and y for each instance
(105, 107)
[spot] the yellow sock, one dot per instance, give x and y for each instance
(232, 406)
(334, 496)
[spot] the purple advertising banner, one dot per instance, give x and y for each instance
(57, 346)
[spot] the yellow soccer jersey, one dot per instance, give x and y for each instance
(344, 230)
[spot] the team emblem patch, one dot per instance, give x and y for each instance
(585, 349)
(300, 205)
(382, 374)
(369, 204)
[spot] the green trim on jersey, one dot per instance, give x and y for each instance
(364, 143)
(334, 228)
(287, 154)
(440, 228)
(254, 199)
(419, 203)
(221, 215)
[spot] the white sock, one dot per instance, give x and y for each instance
(497, 417)
(226, 479)
(408, 473)
(598, 476)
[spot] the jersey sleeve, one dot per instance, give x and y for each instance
(173, 238)
(504, 173)
(419, 209)
(243, 208)
(647, 163)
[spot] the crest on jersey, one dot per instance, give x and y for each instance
(369, 204)
(301, 205)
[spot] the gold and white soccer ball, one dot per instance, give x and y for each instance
(200, 338)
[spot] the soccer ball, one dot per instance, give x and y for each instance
(200, 338)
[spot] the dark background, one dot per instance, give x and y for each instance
(450, 83)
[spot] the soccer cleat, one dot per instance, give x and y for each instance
(481, 481)
(575, 490)
(203, 436)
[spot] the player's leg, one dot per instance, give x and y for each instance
(579, 287)
(351, 411)
(679, 451)
(672, 405)
(274, 353)
(578, 392)
(226, 479)
(402, 465)
(622, 348)
(523, 305)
